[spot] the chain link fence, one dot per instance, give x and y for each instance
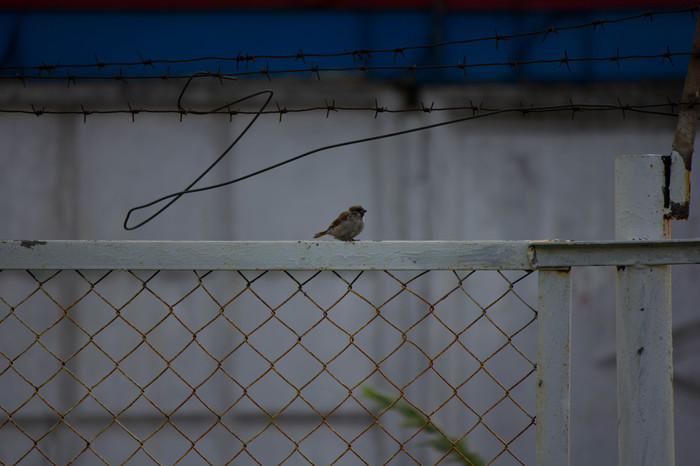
(267, 367)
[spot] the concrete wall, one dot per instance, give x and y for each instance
(512, 177)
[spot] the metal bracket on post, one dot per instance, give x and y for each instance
(643, 319)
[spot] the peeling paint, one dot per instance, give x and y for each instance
(679, 210)
(29, 244)
(532, 255)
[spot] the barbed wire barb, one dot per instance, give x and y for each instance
(98, 63)
(146, 62)
(300, 56)
(564, 60)
(551, 30)
(667, 55)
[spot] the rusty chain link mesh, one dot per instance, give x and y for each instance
(190, 367)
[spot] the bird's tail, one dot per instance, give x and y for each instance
(319, 234)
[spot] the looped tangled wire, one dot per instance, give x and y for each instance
(173, 197)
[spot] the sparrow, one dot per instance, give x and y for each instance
(348, 224)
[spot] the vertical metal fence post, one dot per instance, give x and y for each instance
(643, 319)
(553, 360)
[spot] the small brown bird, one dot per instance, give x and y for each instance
(348, 224)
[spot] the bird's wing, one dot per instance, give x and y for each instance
(341, 218)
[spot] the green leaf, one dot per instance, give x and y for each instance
(457, 450)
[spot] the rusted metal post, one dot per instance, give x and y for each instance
(643, 319)
(678, 164)
(553, 361)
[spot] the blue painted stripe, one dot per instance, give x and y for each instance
(28, 38)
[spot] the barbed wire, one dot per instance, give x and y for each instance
(461, 66)
(357, 55)
(376, 109)
(173, 197)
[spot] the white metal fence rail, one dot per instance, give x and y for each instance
(312, 305)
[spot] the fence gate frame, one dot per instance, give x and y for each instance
(552, 260)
